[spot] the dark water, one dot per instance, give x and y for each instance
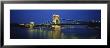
(59, 32)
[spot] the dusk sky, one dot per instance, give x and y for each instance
(41, 16)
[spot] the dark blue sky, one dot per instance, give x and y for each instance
(41, 16)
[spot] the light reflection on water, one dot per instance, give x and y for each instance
(54, 33)
(57, 32)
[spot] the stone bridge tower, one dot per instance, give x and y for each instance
(56, 19)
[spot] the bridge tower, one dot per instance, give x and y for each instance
(55, 22)
(31, 25)
(56, 19)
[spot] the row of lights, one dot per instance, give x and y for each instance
(96, 21)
